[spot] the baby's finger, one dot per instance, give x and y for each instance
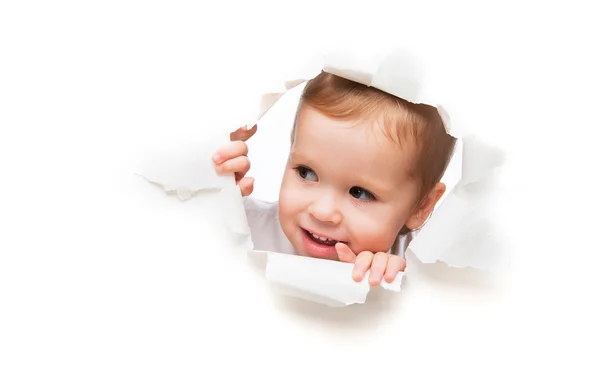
(230, 150)
(246, 186)
(239, 165)
(395, 264)
(344, 253)
(362, 265)
(378, 268)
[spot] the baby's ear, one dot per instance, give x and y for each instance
(424, 210)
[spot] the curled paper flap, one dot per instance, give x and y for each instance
(446, 120)
(360, 70)
(293, 83)
(398, 73)
(324, 281)
(184, 171)
(268, 100)
(460, 232)
(479, 160)
(233, 208)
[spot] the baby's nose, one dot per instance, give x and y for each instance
(326, 211)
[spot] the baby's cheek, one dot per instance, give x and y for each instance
(290, 203)
(374, 238)
(287, 209)
(373, 246)
(286, 193)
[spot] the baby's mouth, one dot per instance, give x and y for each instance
(321, 240)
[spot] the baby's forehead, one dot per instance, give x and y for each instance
(370, 130)
(398, 133)
(352, 146)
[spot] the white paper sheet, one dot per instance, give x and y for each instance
(187, 172)
(455, 234)
(323, 281)
(185, 169)
(460, 232)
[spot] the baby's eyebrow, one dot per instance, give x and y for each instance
(383, 186)
(377, 187)
(297, 157)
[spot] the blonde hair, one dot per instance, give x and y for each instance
(402, 121)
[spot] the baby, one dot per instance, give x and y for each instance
(363, 174)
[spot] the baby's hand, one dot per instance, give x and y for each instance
(382, 265)
(233, 158)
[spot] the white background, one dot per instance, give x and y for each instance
(100, 271)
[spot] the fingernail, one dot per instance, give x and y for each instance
(376, 281)
(216, 158)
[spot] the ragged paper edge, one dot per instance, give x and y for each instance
(318, 280)
(293, 274)
(464, 218)
(400, 74)
(461, 219)
(185, 169)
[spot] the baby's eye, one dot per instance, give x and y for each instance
(360, 193)
(306, 173)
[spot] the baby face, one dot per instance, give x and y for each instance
(344, 182)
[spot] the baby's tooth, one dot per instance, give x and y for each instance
(321, 239)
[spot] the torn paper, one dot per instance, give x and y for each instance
(460, 232)
(267, 100)
(480, 160)
(398, 74)
(324, 281)
(185, 170)
(452, 235)
(189, 169)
